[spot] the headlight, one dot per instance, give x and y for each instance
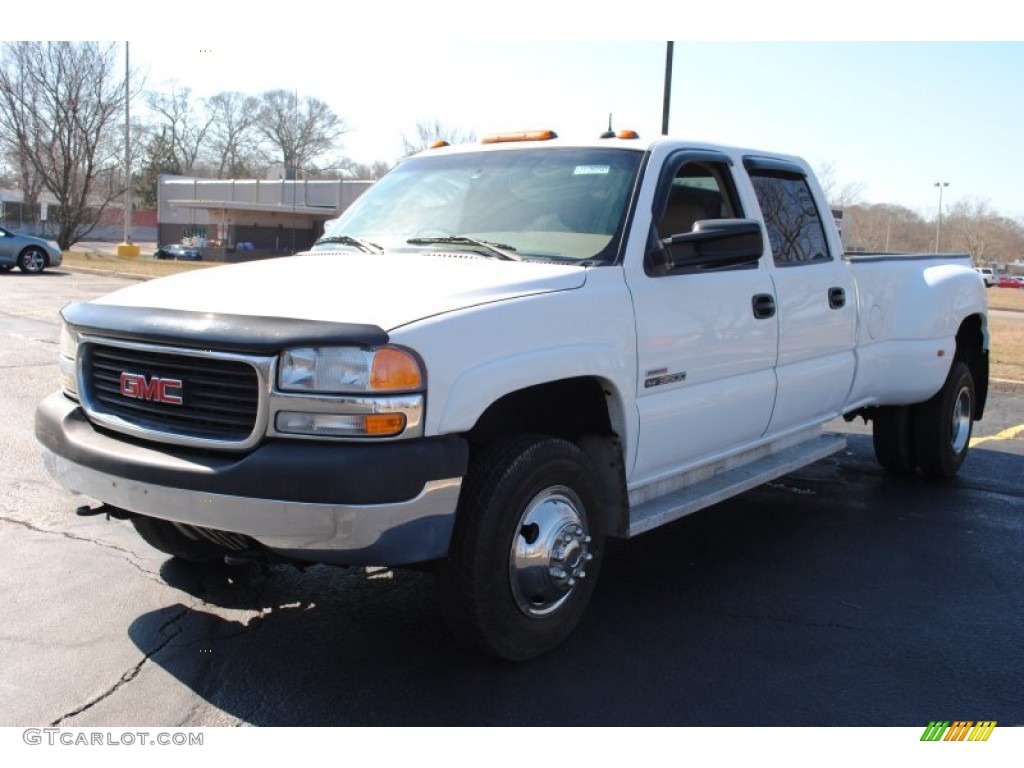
(349, 369)
(66, 362)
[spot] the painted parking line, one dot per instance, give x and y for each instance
(1006, 434)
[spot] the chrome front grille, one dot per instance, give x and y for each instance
(216, 400)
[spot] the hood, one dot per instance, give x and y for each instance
(386, 290)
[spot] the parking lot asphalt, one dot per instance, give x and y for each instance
(838, 595)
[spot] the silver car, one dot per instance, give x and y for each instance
(29, 254)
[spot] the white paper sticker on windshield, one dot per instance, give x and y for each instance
(585, 170)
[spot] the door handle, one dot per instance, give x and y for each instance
(764, 306)
(836, 298)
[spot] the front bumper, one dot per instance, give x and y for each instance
(382, 504)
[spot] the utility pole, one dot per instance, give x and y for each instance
(127, 152)
(668, 89)
(938, 224)
(126, 248)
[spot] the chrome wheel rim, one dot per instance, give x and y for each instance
(550, 551)
(961, 431)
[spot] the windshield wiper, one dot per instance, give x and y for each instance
(501, 250)
(358, 242)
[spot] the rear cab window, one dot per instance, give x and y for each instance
(791, 216)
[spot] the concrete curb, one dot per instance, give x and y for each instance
(106, 272)
(1007, 386)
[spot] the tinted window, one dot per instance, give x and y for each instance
(794, 225)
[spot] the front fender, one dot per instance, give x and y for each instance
(476, 388)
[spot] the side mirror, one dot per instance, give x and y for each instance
(716, 244)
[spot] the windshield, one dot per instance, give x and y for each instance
(565, 205)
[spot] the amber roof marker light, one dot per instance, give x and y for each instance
(509, 136)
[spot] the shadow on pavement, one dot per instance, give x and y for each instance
(838, 595)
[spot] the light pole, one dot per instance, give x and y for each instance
(938, 224)
(667, 99)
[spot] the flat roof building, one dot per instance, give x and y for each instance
(244, 219)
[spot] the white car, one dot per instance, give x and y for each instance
(987, 274)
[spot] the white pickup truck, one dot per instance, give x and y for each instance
(504, 353)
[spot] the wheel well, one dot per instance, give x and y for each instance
(971, 349)
(570, 409)
(581, 410)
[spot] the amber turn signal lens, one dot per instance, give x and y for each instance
(394, 369)
(384, 424)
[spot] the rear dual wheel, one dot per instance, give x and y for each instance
(933, 435)
(943, 425)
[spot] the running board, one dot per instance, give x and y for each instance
(729, 483)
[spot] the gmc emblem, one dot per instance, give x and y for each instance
(156, 389)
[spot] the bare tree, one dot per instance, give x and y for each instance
(373, 170)
(29, 181)
(183, 128)
(429, 131)
(60, 104)
(298, 131)
(972, 225)
(233, 140)
(886, 228)
(838, 196)
(157, 159)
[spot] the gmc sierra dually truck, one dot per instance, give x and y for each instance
(503, 354)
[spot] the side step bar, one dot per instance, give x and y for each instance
(730, 482)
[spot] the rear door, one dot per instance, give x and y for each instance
(817, 307)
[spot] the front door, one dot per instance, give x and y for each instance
(707, 340)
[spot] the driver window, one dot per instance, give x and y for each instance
(699, 191)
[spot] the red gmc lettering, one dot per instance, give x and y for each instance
(159, 390)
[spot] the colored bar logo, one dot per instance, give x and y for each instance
(958, 730)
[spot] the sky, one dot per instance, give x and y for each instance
(883, 102)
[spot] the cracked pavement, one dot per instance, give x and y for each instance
(838, 595)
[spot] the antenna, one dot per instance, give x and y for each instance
(609, 134)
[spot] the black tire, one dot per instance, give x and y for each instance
(943, 425)
(173, 539)
(5, 267)
(32, 260)
(893, 435)
(526, 550)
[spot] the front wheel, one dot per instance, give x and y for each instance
(526, 550)
(32, 260)
(942, 426)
